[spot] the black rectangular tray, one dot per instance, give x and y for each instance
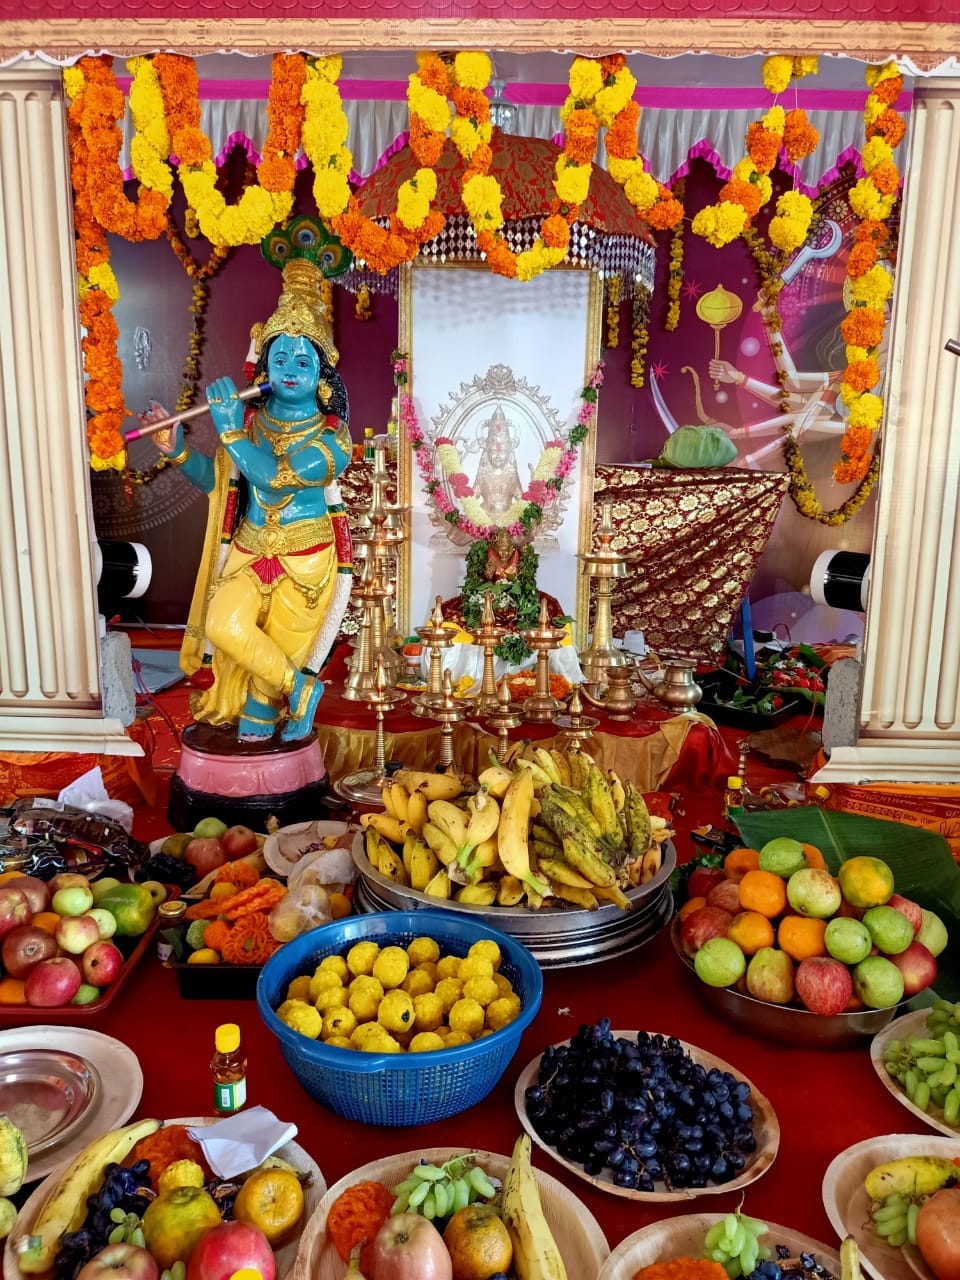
(724, 684)
(216, 981)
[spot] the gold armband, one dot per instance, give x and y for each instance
(176, 459)
(231, 437)
(328, 458)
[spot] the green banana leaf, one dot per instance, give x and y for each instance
(921, 861)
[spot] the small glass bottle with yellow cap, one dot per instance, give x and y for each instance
(229, 1069)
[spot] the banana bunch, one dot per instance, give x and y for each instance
(546, 825)
(535, 1252)
(66, 1206)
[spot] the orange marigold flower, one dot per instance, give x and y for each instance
(856, 443)
(621, 139)
(888, 91)
(556, 232)
(851, 472)
(863, 327)
(886, 178)
(862, 375)
(890, 126)
(425, 143)
(277, 175)
(862, 257)
(471, 103)
(664, 215)
(871, 230)
(580, 142)
(746, 194)
(800, 138)
(192, 146)
(763, 147)
(612, 63)
(433, 73)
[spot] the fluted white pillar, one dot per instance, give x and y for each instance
(50, 695)
(909, 728)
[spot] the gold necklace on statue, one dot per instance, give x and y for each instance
(281, 441)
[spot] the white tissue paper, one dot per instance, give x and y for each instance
(241, 1142)
(88, 793)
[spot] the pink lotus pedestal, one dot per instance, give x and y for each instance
(245, 782)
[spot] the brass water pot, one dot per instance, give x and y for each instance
(677, 689)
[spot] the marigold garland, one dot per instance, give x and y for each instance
(263, 204)
(640, 337)
(614, 298)
(675, 278)
(363, 309)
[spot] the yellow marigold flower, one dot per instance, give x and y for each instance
(472, 70)
(848, 393)
(73, 82)
(866, 201)
(465, 137)
(623, 170)
(866, 411)
(101, 277)
(777, 72)
(412, 206)
(793, 204)
(719, 224)
(641, 190)
(433, 110)
(766, 188)
(482, 199)
(331, 191)
(787, 233)
(572, 183)
(744, 170)
(611, 100)
(873, 287)
(873, 108)
(328, 68)
(148, 167)
(875, 152)
(856, 354)
(586, 79)
(775, 120)
(873, 75)
(807, 66)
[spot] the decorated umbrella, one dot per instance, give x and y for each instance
(609, 234)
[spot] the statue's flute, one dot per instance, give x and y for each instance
(251, 393)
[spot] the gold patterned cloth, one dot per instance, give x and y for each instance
(699, 535)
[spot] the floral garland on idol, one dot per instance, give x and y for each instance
(749, 188)
(675, 280)
(872, 199)
(521, 520)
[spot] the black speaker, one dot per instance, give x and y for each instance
(841, 579)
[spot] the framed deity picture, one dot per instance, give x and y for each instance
(496, 374)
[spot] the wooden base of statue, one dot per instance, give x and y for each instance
(245, 783)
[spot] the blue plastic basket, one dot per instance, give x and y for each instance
(398, 1088)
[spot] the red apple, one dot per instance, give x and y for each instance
(704, 923)
(204, 854)
(15, 910)
(409, 1247)
(726, 896)
(702, 880)
(907, 907)
(238, 842)
(52, 983)
(824, 985)
(101, 963)
(232, 1246)
(918, 966)
(68, 880)
(120, 1262)
(36, 890)
(25, 947)
(75, 933)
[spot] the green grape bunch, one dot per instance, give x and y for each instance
(734, 1242)
(894, 1219)
(437, 1191)
(928, 1067)
(127, 1228)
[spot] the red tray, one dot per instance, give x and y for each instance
(134, 950)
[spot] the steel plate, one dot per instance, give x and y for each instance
(47, 1094)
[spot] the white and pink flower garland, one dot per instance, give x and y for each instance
(521, 519)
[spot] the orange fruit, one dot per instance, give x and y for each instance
(865, 881)
(222, 890)
(339, 906)
(739, 861)
(204, 955)
(174, 1222)
(814, 857)
(751, 931)
(801, 937)
(478, 1242)
(272, 1201)
(47, 920)
(763, 891)
(691, 905)
(12, 991)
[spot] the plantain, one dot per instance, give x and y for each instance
(547, 763)
(510, 891)
(910, 1176)
(617, 790)
(535, 899)
(435, 786)
(535, 1252)
(562, 822)
(439, 886)
(575, 803)
(599, 797)
(391, 865)
(638, 822)
(440, 843)
(850, 1260)
(374, 843)
(562, 766)
(514, 831)
(495, 779)
(449, 818)
(401, 800)
(391, 829)
(650, 864)
(486, 854)
(558, 871)
(589, 863)
(543, 852)
(613, 893)
(540, 831)
(575, 765)
(386, 795)
(584, 898)
(483, 819)
(540, 777)
(416, 810)
(483, 894)
(66, 1206)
